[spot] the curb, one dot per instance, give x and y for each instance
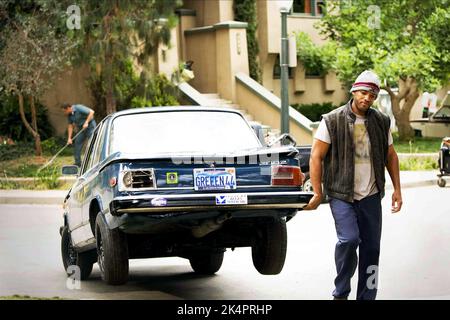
(414, 184)
(32, 197)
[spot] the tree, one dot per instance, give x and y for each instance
(113, 32)
(404, 41)
(32, 55)
(245, 10)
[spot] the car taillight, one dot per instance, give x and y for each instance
(286, 176)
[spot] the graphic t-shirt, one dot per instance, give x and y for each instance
(364, 185)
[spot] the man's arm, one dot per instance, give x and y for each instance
(394, 171)
(318, 153)
(88, 119)
(69, 133)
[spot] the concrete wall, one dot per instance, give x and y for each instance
(302, 89)
(209, 12)
(168, 56)
(218, 52)
(70, 87)
(263, 108)
(201, 48)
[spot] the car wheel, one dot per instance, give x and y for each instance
(307, 186)
(206, 262)
(112, 251)
(441, 182)
(84, 260)
(269, 247)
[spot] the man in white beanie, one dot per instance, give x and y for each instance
(352, 147)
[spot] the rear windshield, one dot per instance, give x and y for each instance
(208, 132)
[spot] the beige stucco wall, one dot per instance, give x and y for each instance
(201, 48)
(185, 22)
(263, 112)
(232, 58)
(168, 56)
(210, 12)
(218, 52)
(70, 87)
(301, 89)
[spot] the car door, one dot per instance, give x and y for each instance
(79, 193)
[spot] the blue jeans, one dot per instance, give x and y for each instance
(358, 224)
(80, 140)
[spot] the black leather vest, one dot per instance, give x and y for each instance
(339, 162)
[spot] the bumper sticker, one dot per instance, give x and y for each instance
(227, 199)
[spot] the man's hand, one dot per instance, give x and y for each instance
(69, 141)
(314, 202)
(396, 201)
(85, 125)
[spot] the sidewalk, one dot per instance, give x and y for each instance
(408, 179)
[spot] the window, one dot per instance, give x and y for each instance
(277, 70)
(311, 7)
(88, 155)
(195, 132)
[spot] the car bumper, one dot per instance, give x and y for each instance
(151, 204)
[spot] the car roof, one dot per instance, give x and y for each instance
(172, 109)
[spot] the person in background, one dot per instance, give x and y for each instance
(83, 118)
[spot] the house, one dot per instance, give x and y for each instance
(208, 34)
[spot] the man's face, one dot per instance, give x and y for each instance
(68, 111)
(363, 100)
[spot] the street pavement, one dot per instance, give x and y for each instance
(414, 262)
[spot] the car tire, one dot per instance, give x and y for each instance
(112, 251)
(307, 186)
(84, 260)
(269, 247)
(206, 262)
(441, 182)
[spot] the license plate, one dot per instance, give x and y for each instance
(215, 179)
(230, 199)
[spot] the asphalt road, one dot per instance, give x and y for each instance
(415, 259)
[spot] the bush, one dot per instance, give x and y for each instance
(314, 111)
(419, 163)
(54, 144)
(11, 124)
(133, 91)
(10, 152)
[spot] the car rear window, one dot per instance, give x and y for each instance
(208, 132)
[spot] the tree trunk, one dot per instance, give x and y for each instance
(110, 100)
(34, 133)
(408, 95)
(37, 137)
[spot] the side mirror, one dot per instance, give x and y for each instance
(70, 170)
(284, 140)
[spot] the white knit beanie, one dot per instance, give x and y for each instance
(368, 81)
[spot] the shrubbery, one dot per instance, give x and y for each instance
(314, 111)
(11, 124)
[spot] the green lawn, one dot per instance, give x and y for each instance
(417, 145)
(28, 167)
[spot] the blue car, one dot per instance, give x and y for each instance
(179, 181)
